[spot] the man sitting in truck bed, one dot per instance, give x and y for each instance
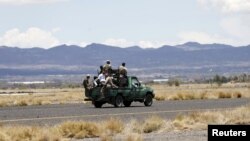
(109, 81)
(105, 80)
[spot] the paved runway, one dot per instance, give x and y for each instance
(52, 114)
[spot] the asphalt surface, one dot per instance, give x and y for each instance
(52, 114)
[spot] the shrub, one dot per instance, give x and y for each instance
(79, 130)
(21, 103)
(134, 137)
(237, 95)
(152, 124)
(174, 82)
(177, 83)
(114, 125)
(224, 95)
(4, 137)
(159, 97)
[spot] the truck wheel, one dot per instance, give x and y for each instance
(148, 100)
(118, 101)
(127, 103)
(98, 104)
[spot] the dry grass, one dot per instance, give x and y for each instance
(40, 97)
(131, 131)
(224, 95)
(113, 126)
(200, 120)
(3, 103)
(237, 95)
(17, 97)
(134, 137)
(134, 127)
(106, 138)
(152, 124)
(79, 130)
(160, 97)
(70, 129)
(200, 91)
(28, 133)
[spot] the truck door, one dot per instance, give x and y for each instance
(136, 88)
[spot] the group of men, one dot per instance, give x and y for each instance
(105, 78)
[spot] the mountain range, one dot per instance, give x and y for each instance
(185, 58)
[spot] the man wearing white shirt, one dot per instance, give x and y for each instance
(102, 78)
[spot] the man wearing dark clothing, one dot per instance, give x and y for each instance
(101, 70)
(122, 70)
(87, 85)
(122, 75)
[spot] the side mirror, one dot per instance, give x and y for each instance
(139, 84)
(135, 85)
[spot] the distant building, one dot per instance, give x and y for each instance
(28, 82)
(160, 80)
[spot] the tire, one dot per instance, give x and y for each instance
(148, 100)
(127, 103)
(98, 104)
(118, 101)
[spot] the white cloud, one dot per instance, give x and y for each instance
(32, 37)
(24, 2)
(151, 44)
(57, 29)
(238, 27)
(118, 42)
(234, 20)
(228, 6)
(126, 43)
(205, 38)
(81, 44)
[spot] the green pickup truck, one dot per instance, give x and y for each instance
(133, 91)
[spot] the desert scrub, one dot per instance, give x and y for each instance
(40, 97)
(160, 97)
(28, 133)
(200, 120)
(79, 130)
(224, 95)
(134, 137)
(152, 124)
(113, 126)
(108, 129)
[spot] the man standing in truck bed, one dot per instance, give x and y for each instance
(107, 68)
(122, 75)
(122, 70)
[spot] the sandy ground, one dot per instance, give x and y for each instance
(166, 136)
(178, 136)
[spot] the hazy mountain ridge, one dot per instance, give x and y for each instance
(197, 46)
(186, 55)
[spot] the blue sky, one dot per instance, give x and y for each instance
(147, 23)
